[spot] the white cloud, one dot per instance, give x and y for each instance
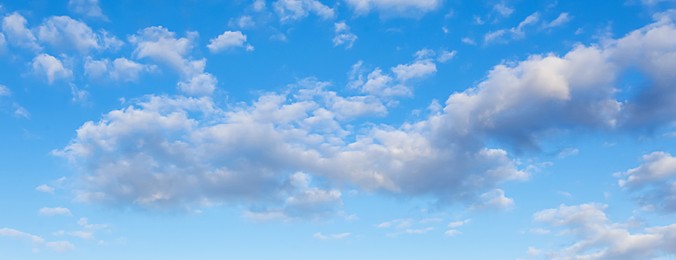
(196, 153)
(89, 8)
(64, 33)
(60, 246)
(343, 35)
(394, 7)
(654, 181)
(457, 224)
(4, 91)
(121, 69)
(599, 238)
(562, 19)
(452, 232)
(468, 41)
(446, 56)
(50, 67)
(243, 22)
(258, 5)
(503, 10)
(518, 32)
(45, 188)
(229, 40)
(9, 232)
(57, 211)
(160, 45)
(379, 83)
(321, 236)
(290, 10)
(14, 28)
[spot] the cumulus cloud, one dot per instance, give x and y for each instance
(50, 67)
(654, 181)
(290, 10)
(243, 22)
(397, 83)
(596, 237)
(14, 26)
(57, 211)
(65, 33)
(394, 7)
(189, 152)
(120, 69)
(229, 40)
(562, 19)
(161, 45)
(343, 35)
(88, 8)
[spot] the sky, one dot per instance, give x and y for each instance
(345, 129)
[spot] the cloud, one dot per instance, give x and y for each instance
(468, 41)
(290, 10)
(397, 83)
(388, 8)
(120, 69)
(161, 45)
(196, 153)
(57, 211)
(243, 22)
(229, 40)
(596, 237)
(60, 246)
(4, 91)
(343, 35)
(9, 232)
(16, 32)
(446, 56)
(64, 33)
(562, 19)
(321, 236)
(517, 32)
(51, 68)
(88, 8)
(654, 181)
(457, 224)
(503, 10)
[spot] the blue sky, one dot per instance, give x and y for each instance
(346, 129)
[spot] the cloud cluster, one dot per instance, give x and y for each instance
(180, 152)
(162, 46)
(394, 7)
(654, 181)
(599, 238)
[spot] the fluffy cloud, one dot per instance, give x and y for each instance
(229, 40)
(394, 7)
(161, 45)
(64, 33)
(190, 152)
(289, 10)
(89, 8)
(14, 27)
(397, 83)
(343, 35)
(45, 188)
(50, 67)
(57, 211)
(599, 238)
(120, 69)
(654, 181)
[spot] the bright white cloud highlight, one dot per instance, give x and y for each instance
(290, 10)
(229, 40)
(596, 237)
(343, 36)
(51, 68)
(14, 27)
(654, 181)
